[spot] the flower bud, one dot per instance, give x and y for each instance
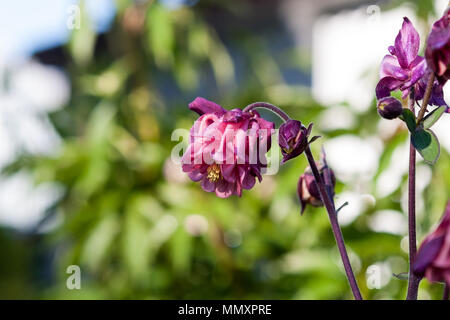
(307, 190)
(293, 139)
(389, 108)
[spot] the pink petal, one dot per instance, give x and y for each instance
(391, 68)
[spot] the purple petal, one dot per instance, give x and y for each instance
(207, 185)
(385, 86)
(235, 116)
(224, 189)
(443, 258)
(391, 68)
(247, 180)
(426, 254)
(418, 69)
(407, 44)
(202, 106)
(195, 175)
(228, 172)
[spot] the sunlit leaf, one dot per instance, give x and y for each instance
(433, 116)
(427, 144)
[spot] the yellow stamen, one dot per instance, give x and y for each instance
(214, 173)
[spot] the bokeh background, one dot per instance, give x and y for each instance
(90, 93)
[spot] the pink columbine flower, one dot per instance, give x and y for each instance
(433, 258)
(227, 148)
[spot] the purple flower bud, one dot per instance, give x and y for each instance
(293, 139)
(307, 190)
(389, 108)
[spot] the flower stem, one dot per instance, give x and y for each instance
(265, 105)
(329, 205)
(426, 98)
(413, 280)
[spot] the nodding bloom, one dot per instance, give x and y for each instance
(293, 139)
(403, 67)
(437, 52)
(227, 148)
(307, 190)
(433, 257)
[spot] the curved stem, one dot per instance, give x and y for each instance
(413, 281)
(264, 105)
(329, 205)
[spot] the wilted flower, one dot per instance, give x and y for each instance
(389, 107)
(437, 51)
(227, 148)
(433, 258)
(307, 190)
(403, 67)
(293, 139)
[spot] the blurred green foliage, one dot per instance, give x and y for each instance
(132, 220)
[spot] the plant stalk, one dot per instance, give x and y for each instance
(426, 98)
(413, 281)
(329, 205)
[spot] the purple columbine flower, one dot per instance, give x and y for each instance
(403, 67)
(405, 70)
(433, 258)
(389, 108)
(293, 139)
(437, 52)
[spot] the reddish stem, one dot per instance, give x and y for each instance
(329, 205)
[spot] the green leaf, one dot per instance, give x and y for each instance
(433, 116)
(427, 144)
(410, 119)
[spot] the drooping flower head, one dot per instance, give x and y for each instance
(437, 52)
(293, 139)
(433, 258)
(307, 190)
(227, 148)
